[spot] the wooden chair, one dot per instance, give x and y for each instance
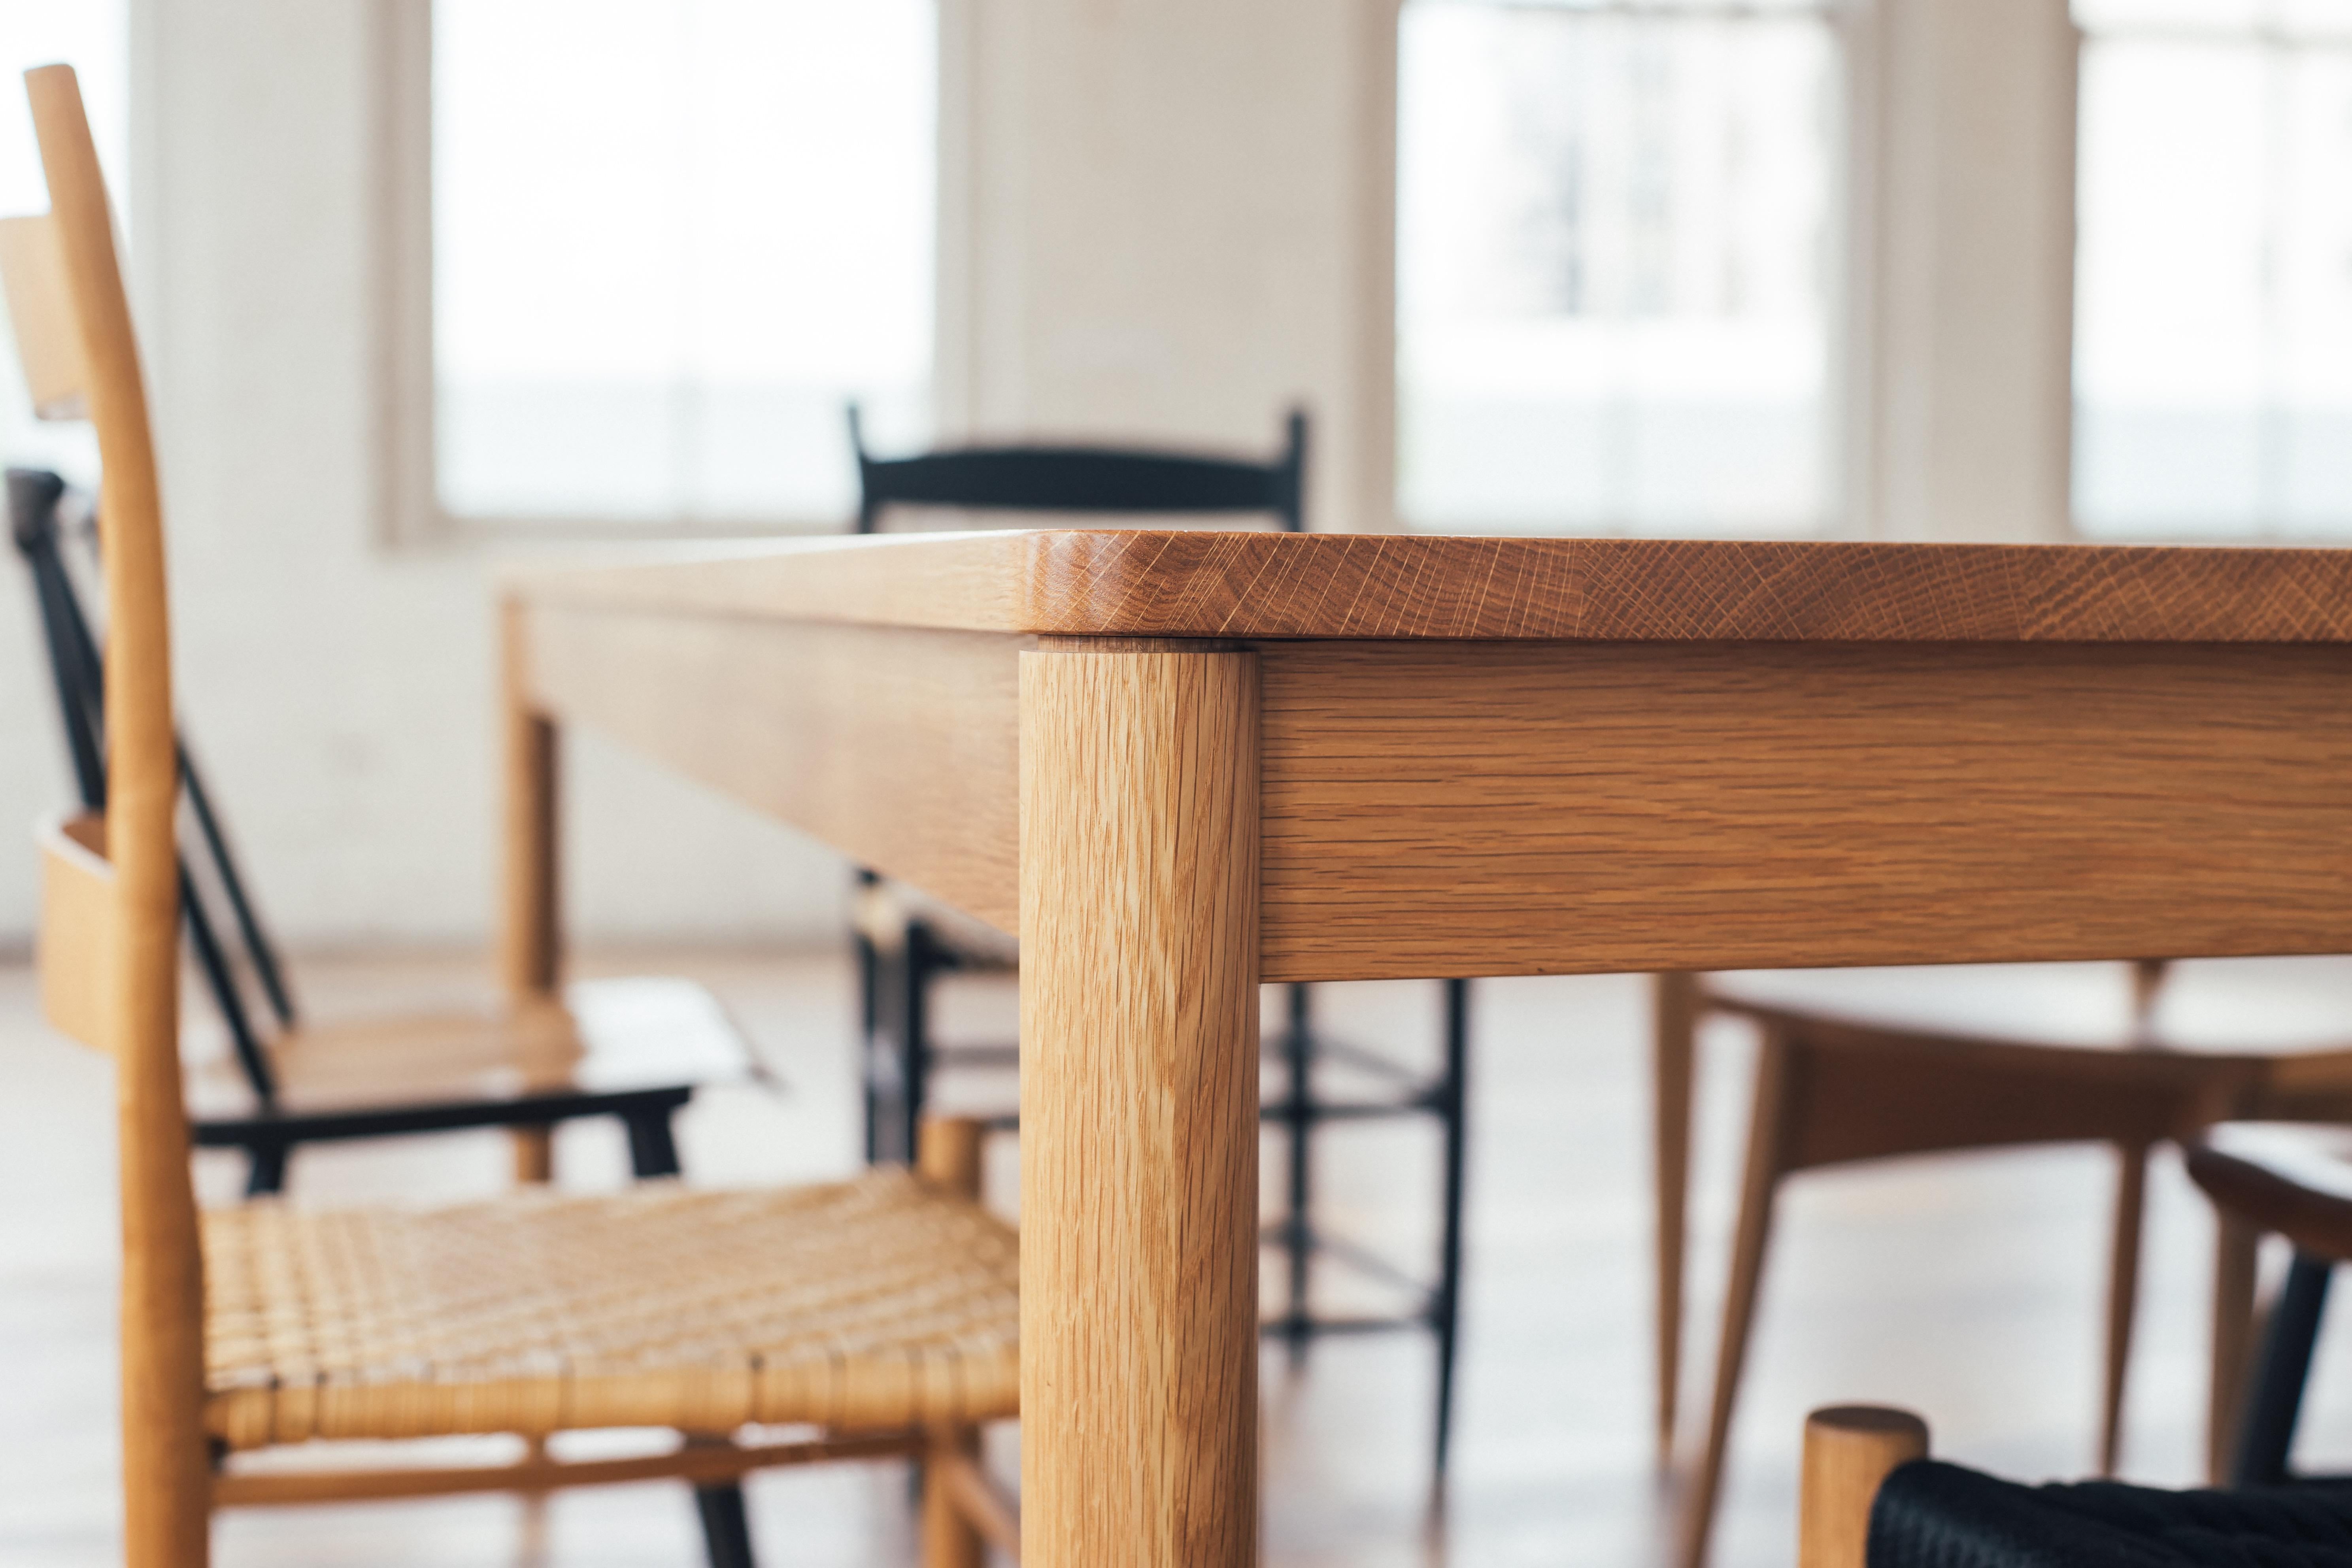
(1872, 1064)
(883, 1310)
(633, 1049)
(903, 947)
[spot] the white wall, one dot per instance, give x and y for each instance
(339, 694)
(1173, 219)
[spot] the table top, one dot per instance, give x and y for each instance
(1247, 585)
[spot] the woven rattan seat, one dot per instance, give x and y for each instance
(882, 1302)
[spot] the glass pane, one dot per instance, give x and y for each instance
(1612, 236)
(672, 238)
(2213, 292)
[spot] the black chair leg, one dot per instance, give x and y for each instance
(265, 1170)
(1447, 1310)
(922, 964)
(653, 1147)
(2274, 1403)
(1297, 1234)
(726, 1528)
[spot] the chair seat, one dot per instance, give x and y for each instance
(609, 1035)
(2233, 1007)
(872, 1303)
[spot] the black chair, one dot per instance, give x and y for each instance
(902, 952)
(248, 980)
(1873, 1499)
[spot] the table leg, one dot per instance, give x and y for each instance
(529, 948)
(1138, 1108)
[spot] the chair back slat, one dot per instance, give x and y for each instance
(77, 904)
(33, 268)
(1131, 481)
(167, 1480)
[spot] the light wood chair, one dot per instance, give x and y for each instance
(1864, 1065)
(881, 1310)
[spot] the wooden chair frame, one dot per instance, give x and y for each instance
(110, 964)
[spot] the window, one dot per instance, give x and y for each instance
(671, 239)
(91, 36)
(2213, 285)
(1615, 237)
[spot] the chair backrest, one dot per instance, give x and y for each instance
(109, 933)
(228, 945)
(1103, 479)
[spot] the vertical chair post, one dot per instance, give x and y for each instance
(947, 1154)
(1674, 1025)
(530, 955)
(1849, 1450)
(2236, 1245)
(2123, 1296)
(1139, 1106)
(167, 1482)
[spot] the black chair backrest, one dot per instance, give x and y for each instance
(1104, 480)
(77, 671)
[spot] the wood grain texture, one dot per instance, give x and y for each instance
(1138, 1109)
(897, 747)
(1849, 1450)
(1485, 810)
(1103, 582)
(166, 1480)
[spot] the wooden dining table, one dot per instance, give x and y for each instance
(1177, 764)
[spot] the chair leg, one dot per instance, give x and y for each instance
(921, 966)
(1454, 1105)
(265, 1170)
(2123, 1295)
(2233, 1325)
(1674, 1025)
(534, 1154)
(726, 1528)
(2275, 1400)
(1299, 1049)
(653, 1148)
(1778, 1071)
(948, 1538)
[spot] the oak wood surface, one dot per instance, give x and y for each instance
(898, 747)
(1134, 582)
(1849, 1450)
(1481, 809)
(1138, 1109)
(165, 1482)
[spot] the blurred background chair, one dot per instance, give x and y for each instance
(904, 948)
(1870, 1063)
(631, 1049)
(887, 1305)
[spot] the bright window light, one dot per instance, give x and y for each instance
(2213, 282)
(1614, 237)
(89, 36)
(671, 239)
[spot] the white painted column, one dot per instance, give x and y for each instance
(1171, 220)
(1962, 282)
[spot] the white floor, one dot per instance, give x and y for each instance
(1967, 1287)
